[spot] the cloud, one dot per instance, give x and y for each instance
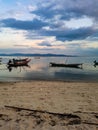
(45, 43)
(23, 25)
(31, 7)
(76, 34)
(69, 34)
(37, 28)
(51, 17)
(68, 9)
(45, 11)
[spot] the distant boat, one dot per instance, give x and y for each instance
(95, 63)
(78, 65)
(18, 62)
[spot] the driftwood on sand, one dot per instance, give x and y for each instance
(73, 118)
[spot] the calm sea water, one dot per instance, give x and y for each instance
(39, 69)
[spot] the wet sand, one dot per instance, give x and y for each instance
(48, 105)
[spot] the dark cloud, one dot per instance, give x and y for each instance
(45, 12)
(68, 9)
(50, 11)
(24, 25)
(65, 35)
(76, 34)
(69, 34)
(96, 33)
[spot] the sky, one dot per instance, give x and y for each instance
(49, 26)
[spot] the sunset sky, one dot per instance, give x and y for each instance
(49, 26)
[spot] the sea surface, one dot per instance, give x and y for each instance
(40, 69)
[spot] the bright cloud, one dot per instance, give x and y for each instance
(79, 23)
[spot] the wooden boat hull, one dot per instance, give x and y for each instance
(66, 65)
(19, 63)
(20, 60)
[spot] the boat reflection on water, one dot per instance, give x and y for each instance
(10, 68)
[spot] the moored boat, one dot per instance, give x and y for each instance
(77, 65)
(95, 63)
(18, 62)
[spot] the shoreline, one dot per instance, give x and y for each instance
(50, 80)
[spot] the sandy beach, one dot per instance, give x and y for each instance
(48, 105)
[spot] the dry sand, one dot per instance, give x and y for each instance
(48, 105)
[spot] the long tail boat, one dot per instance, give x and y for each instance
(77, 65)
(95, 63)
(20, 62)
